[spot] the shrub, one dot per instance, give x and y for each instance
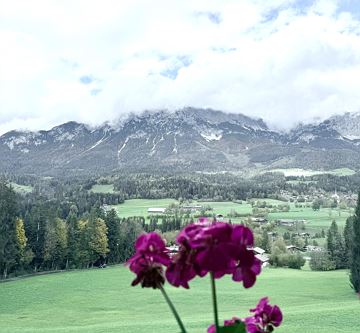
(291, 260)
(320, 261)
(296, 261)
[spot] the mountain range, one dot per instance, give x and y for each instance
(186, 140)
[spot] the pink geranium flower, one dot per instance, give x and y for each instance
(216, 247)
(148, 259)
(265, 317)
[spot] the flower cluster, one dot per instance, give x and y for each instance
(147, 263)
(265, 317)
(217, 247)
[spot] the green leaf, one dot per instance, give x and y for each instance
(237, 328)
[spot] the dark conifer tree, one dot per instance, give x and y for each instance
(348, 238)
(113, 224)
(72, 237)
(336, 246)
(8, 212)
(355, 250)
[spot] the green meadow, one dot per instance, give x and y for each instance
(107, 188)
(23, 189)
(102, 301)
(139, 207)
(316, 220)
(307, 172)
(225, 207)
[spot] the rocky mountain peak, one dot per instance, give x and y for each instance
(187, 139)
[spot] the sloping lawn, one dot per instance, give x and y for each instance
(101, 300)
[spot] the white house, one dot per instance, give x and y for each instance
(156, 210)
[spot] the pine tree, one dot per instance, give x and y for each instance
(25, 255)
(348, 237)
(8, 212)
(355, 250)
(83, 252)
(35, 226)
(113, 225)
(71, 222)
(21, 239)
(98, 239)
(265, 244)
(55, 243)
(129, 231)
(336, 246)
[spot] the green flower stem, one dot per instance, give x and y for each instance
(213, 290)
(173, 310)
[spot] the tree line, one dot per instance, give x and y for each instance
(45, 235)
(40, 239)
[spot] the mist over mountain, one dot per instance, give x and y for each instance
(189, 139)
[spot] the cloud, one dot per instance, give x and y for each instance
(283, 60)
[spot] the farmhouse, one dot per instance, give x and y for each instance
(191, 208)
(264, 258)
(258, 250)
(313, 248)
(259, 220)
(293, 249)
(156, 210)
(287, 222)
(261, 255)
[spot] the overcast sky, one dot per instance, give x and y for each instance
(91, 61)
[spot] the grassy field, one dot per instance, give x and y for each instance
(139, 207)
(101, 301)
(316, 219)
(225, 208)
(107, 188)
(307, 173)
(23, 189)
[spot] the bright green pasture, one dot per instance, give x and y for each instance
(226, 207)
(102, 301)
(273, 202)
(316, 219)
(139, 207)
(23, 189)
(308, 172)
(107, 188)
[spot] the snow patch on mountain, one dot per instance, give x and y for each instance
(352, 137)
(38, 142)
(347, 125)
(175, 149)
(138, 135)
(15, 141)
(153, 149)
(211, 134)
(66, 136)
(123, 146)
(307, 137)
(98, 142)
